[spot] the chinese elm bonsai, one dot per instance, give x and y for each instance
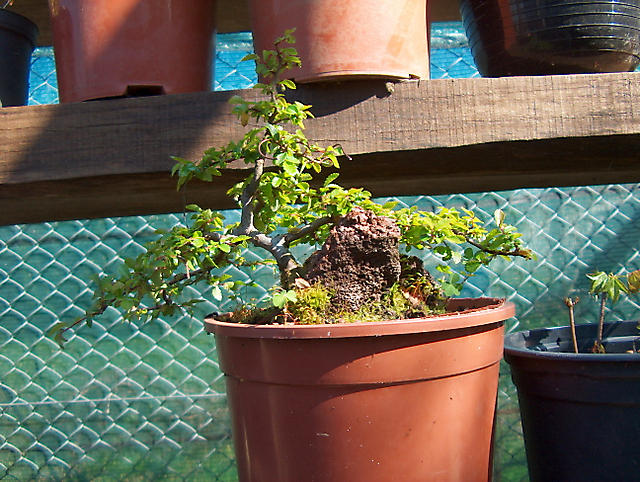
(288, 199)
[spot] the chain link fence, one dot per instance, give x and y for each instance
(128, 403)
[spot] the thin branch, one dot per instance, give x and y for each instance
(247, 197)
(279, 249)
(308, 229)
(495, 252)
(597, 348)
(572, 321)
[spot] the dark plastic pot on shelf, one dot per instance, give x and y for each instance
(405, 400)
(540, 37)
(580, 412)
(18, 37)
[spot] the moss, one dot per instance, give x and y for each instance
(416, 294)
(406, 299)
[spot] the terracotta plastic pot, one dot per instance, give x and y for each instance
(17, 40)
(580, 412)
(541, 37)
(339, 40)
(110, 48)
(410, 400)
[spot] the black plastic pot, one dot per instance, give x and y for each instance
(540, 37)
(17, 40)
(580, 412)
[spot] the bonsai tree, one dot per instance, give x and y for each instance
(290, 197)
(604, 287)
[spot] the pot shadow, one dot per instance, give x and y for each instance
(328, 97)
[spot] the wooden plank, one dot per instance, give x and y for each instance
(112, 158)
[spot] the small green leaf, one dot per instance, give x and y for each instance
(216, 292)
(290, 168)
(281, 298)
(633, 280)
(450, 289)
(249, 57)
(330, 178)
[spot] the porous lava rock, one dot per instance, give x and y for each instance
(359, 261)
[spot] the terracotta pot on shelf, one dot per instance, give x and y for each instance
(340, 40)
(18, 37)
(410, 400)
(111, 48)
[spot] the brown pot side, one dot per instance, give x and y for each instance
(436, 430)
(105, 48)
(361, 360)
(372, 408)
(338, 40)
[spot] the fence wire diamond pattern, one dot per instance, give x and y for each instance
(128, 403)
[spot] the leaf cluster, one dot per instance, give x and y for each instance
(611, 286)
(604, 286)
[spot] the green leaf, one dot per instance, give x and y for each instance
(290, 168)
(633, 281)
(216, 292)
(330, 178)
(281, 298)
(56, 328)
(250, 57)
(450, 290)
(289, 84)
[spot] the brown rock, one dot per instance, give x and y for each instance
(360, 259)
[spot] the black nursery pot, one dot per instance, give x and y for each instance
(580, 412)
(542, 37)
(17, 40)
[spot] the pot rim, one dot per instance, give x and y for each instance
(20, 25)
(464, 313)
(524, 352)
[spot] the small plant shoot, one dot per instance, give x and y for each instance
(604, 287)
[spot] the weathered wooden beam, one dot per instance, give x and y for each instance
(112, 158)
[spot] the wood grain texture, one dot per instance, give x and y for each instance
(113, 158)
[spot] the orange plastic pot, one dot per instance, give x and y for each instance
(110, 48)
(409, 400)
(339, 40)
